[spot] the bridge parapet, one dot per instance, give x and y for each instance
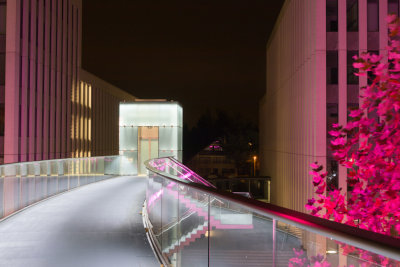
(25, 183)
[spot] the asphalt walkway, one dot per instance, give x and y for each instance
(96, 225)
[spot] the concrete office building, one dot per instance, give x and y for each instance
(310, 85)
(47, 110)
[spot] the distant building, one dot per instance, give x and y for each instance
(310, 85)
(212, 162)
(49, 107)
(95, 117)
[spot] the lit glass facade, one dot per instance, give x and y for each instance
(149, 130)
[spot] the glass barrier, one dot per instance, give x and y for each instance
(194, 225)
(22, 184)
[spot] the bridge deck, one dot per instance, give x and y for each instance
(95, 225)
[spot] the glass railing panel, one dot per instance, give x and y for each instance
(63, 184)
(170, 219)
(73, 181)
(22, 184)
(24, 190)
(1, 197)
(317, 249)
(198, 226)
(194, 227)
(179, 220)
(113, 165)
(11, 193)
(155, 195)
(40, 188)
(240, 237)
(51, 185)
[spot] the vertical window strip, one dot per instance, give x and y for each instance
(20, 77)
(37, 23)
(352, 15)
(57, 138)
(373, 15)
(50, 92)
(37, 78)
(28, 122)
(43, 68)
(29, 20)
(331, 15)
(63, 125)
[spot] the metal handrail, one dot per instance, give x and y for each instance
(375, 242)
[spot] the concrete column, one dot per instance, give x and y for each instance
(70, 85)
(79, 90)
(58, 96)
(363, 44)
(47, 81)
(342, 103)
(84, 119)
(98, 118)
(78, 39)
(94, 129)
(320, 83)
(40, 83)
(383, 28)
(33, 84)
(383, 31)
(53, 82)
(23, 120)
(11, 130)
(65, 132)
(102, 119)
(362, 36)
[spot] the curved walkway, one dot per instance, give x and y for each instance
(95, 225)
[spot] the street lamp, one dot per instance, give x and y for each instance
(254, 161)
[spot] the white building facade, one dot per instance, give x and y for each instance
(310, 85)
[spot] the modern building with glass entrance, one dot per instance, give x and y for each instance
(149, 129)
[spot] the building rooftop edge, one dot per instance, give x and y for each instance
(148, 101)
(274, 29)
(98, 82)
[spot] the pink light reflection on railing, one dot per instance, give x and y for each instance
(155, 196)
(189, 173)
(183, 172)
(158, 194)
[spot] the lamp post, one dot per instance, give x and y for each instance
(254, 162)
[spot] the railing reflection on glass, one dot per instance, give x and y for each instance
(190, 223)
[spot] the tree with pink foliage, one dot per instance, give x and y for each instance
(369, 147)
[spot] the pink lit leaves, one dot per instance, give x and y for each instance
(369, 147)
(301, 260)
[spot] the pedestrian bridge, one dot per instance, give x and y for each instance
(84, 212)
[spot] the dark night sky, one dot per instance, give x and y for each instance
(204, 54)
